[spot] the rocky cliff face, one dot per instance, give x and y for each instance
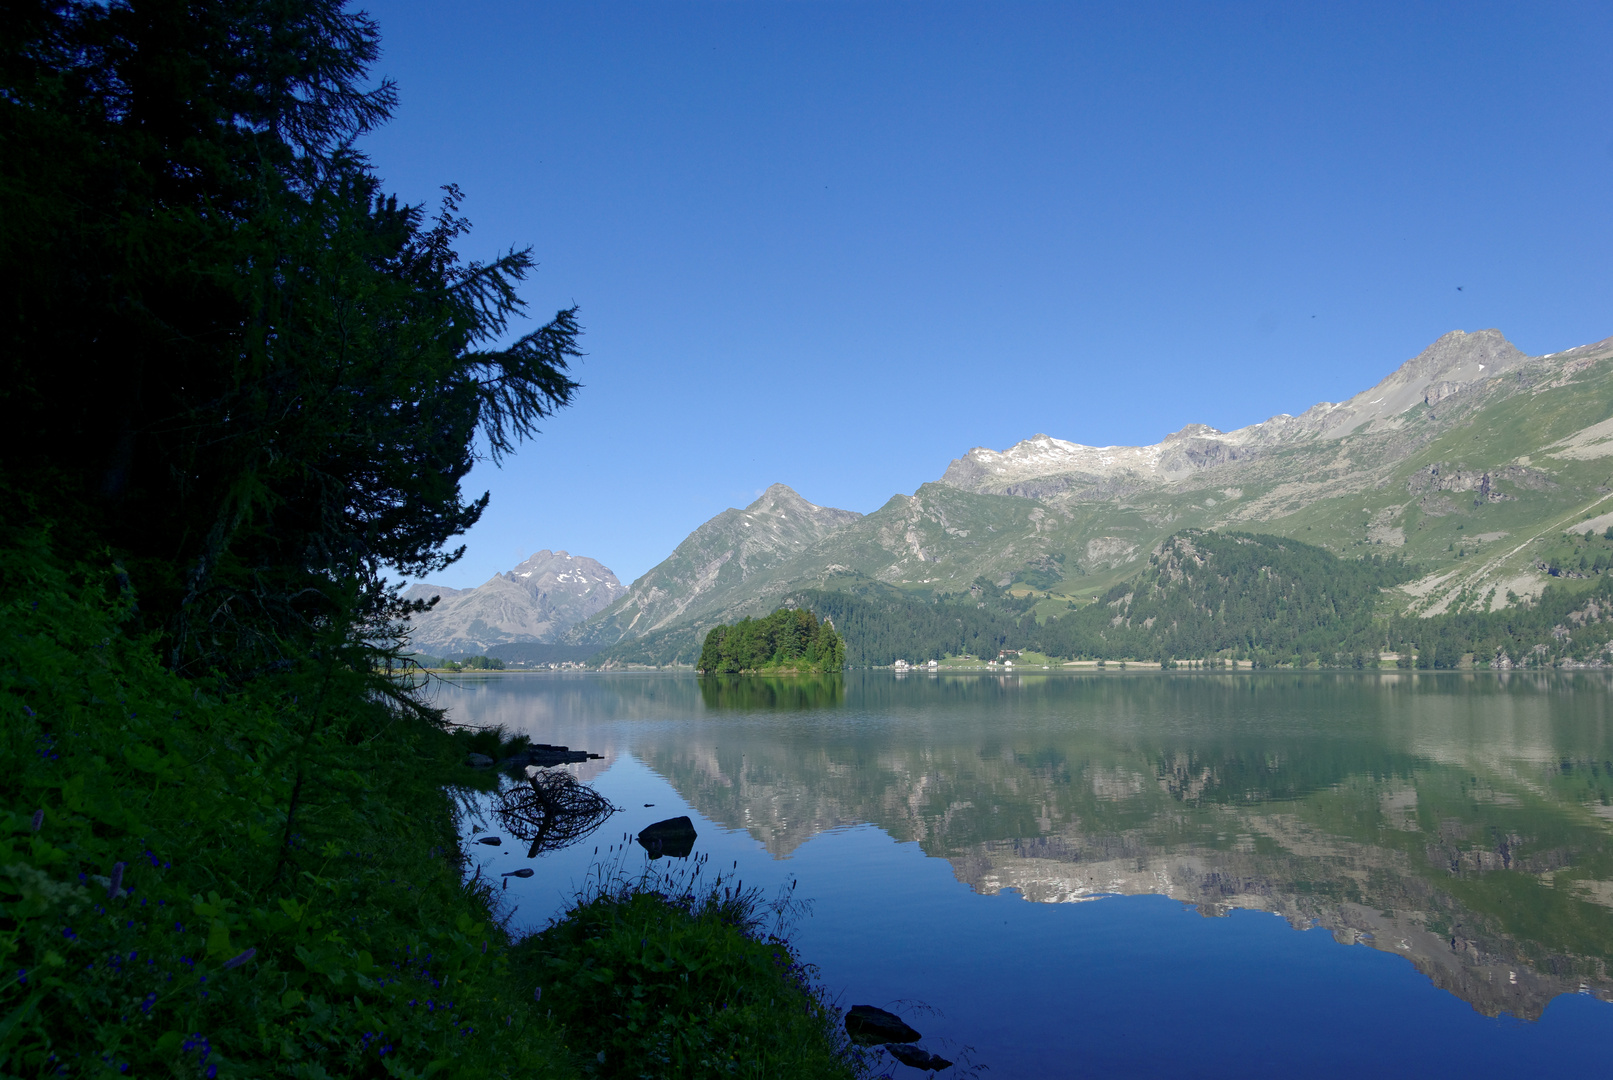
(537, 601)
(716, 563)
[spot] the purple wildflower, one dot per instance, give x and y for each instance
(116, 885)
(237, 961)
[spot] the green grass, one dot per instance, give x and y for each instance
(658, 976)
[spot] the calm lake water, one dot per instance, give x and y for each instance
(1241, 874)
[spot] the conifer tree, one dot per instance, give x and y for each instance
(227, 354)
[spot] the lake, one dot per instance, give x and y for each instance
(1139, 874)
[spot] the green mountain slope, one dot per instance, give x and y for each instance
(1471, 460)
(717, 567)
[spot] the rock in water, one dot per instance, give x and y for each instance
(869, 1026)
(919, 1059)
(674, 837)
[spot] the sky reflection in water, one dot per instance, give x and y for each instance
(1461, 822)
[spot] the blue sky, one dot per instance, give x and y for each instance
(838, 245)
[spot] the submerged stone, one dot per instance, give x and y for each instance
(919, 1059)
(870, 1026)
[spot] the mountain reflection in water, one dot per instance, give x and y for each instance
(1464, 822)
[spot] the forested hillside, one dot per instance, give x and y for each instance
(1204, 595)
(1209, 594)
(1565, 625)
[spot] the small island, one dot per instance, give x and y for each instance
(789, 641)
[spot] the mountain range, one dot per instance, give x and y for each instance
(1470, 460)
(537, 601)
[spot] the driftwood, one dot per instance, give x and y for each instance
(551, 810)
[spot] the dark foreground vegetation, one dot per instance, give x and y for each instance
(240, 383)
(675, 979)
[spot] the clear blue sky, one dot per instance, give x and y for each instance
(838, 245)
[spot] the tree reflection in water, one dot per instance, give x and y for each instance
(772, 692)
(552, 810)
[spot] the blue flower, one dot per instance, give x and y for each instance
(237, 961)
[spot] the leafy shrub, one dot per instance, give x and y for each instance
(653, 979)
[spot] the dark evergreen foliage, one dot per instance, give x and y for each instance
(788, 638)
(881, 627)
(1206, 594)
(227, 354)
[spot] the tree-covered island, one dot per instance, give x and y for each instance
(789, 640)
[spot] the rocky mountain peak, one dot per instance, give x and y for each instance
(1459, 350)
(1193, 431)
(538, 601)
(1044, 466)
(718, 558)
(547, 569)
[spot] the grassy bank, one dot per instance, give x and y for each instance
(265, 880)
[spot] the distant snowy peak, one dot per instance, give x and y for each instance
(1453, 363)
